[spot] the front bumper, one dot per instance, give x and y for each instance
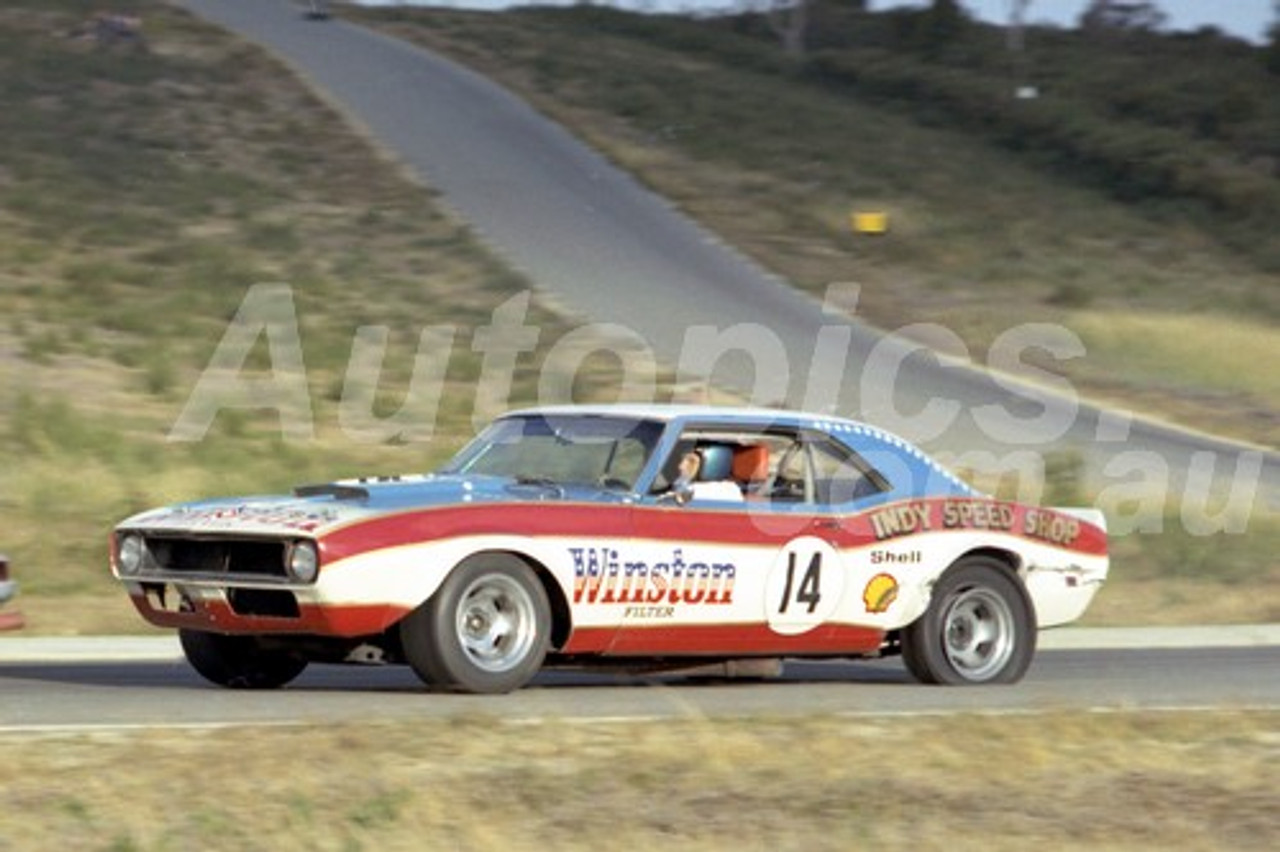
(246, 610)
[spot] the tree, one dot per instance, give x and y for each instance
(946, 19)
(789, 20)
(1271, 53)
(1016, 41)
(1118, 16)
(941, 25)
(1016, 37)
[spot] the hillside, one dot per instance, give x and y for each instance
(148, 185)
(1131, 202)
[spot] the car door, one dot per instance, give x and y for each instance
(759, 576)
(815, 586)
(864, 584)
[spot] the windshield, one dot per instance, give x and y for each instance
(605, 451)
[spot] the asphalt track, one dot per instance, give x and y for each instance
(94, 683)
(596, 241)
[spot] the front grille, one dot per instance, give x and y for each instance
(237, 557)
(269, 602)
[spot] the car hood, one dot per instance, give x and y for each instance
(313, 510)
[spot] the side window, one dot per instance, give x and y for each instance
(765, 465)
(789, 482)
(839, 476)
(775, 466)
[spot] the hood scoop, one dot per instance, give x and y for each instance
(334, 490)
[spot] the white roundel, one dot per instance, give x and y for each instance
(804, 586)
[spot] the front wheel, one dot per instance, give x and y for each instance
(239, 662)
(979, 628)
(486, 629)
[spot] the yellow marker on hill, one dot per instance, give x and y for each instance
(870, 222)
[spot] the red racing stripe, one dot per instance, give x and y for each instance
(722, 639)
(754, 526)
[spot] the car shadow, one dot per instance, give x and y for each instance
(321, 678)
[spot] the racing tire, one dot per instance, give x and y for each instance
(485, 630)
(239, 662)
(980, 627)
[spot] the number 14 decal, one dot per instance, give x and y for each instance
(804, 588)
(810, 589)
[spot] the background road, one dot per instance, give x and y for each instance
(50, 683)
(590, 236)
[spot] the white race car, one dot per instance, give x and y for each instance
(317, 10)
(642, 536)
(9, 620)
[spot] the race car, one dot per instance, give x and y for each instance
(636, 537)
(9, 620)
(317, 10)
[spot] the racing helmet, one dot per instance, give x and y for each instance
(717, 462)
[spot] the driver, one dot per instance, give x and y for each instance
(706, 472)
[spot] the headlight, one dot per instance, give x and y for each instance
(302, 561)
(131, 552)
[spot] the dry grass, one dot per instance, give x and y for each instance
(1195, 360)
(1142, 602)
(1173, 577)
(1171, 781)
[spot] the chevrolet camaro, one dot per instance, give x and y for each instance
(632, 536)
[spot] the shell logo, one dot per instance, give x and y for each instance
(880, 593)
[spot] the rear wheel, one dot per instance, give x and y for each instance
(979, 627)
(486, 629)
(239, 662)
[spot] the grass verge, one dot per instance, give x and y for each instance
(1173, 781)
